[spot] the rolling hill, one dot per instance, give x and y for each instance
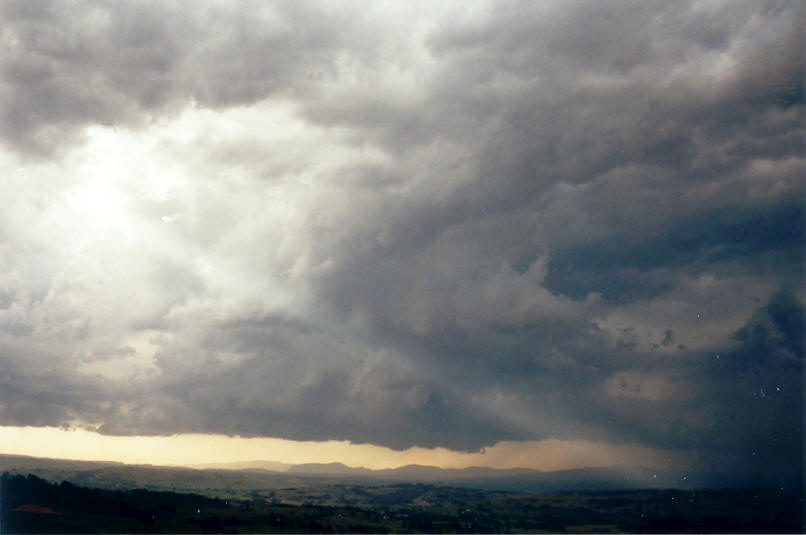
(256, 481)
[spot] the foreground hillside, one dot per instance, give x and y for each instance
(32, 505)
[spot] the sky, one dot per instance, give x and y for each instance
(441, 232)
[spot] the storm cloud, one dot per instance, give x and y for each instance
(416, 224)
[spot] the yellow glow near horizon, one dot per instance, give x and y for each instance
(195, 449)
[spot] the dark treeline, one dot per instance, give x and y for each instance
(33, 505)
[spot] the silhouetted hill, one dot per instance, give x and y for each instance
(329, 468)
(272, 466)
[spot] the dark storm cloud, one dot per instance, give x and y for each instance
(750, 399)
(631, 267)
(630, 189)
(67, 66)
(559, 214)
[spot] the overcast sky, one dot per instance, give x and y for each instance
(433, 224)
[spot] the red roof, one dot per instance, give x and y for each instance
(33, 508)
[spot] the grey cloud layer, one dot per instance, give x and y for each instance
(68, 65)
(511, 223)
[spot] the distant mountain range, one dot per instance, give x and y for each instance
(252, 479)
(274, 466)
(413, 472)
